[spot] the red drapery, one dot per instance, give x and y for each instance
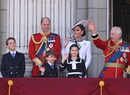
(64, 86)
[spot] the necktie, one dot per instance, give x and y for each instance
(52, 66)
(13, 55)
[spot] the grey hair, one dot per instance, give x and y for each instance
(118, 30)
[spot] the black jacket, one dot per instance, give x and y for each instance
(13, 67)
(49, 72)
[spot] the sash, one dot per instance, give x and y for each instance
(113, 58)
(51, 38)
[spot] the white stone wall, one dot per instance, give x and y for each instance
(97, 12)
(3, 27)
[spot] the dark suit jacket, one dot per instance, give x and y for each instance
(49, 72)
(13, 67)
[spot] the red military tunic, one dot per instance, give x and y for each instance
(112, 72)
(37, 49)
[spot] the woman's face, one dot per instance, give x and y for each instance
(77, 32)
(74, 51)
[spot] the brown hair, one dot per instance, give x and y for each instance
(45, 18)
(73, 45)
(10, 38)
(50, 52)
(82, 28)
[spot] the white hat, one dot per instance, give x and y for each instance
(83, 22)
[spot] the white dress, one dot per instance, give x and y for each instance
(84, 52)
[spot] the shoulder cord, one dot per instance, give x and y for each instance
(43, 39)
(114, 48)
(35, 41)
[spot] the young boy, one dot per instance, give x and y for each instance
(48, 69)
(13, 62)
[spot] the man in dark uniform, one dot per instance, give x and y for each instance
(42, 42)
(13, 62)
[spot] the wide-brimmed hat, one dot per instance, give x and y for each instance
(83, 22)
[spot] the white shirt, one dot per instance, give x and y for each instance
(50, 63)
(13, 52)
(84, 52)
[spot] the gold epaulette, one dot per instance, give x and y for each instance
(35, 40)
(42, 39)
(126, 42)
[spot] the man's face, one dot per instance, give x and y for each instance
(114, 36)
(51, 59)
(11, 45)
(45, 25)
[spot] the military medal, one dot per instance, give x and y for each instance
(121, 59)
(50, 45)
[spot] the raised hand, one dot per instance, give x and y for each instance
(91, 26)
(64, 57)
(66, 41)
(42, 69)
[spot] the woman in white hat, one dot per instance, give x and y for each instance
(78, 31)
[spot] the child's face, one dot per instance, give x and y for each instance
(11, 45)
(74, 51)
(51, 59)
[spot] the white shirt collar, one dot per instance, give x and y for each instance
(13, 52)
(49, 63)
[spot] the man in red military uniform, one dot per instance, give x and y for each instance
(42, 42)
(115, 51)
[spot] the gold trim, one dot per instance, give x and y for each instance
(42, 33)
(43, 39)
(96, 37)
(10, 83)
(39, 48)
(120, 41)
(35, 41)
(38, 62)
(115, 65)
(101, 83)
(113, 48)
(126, 42)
